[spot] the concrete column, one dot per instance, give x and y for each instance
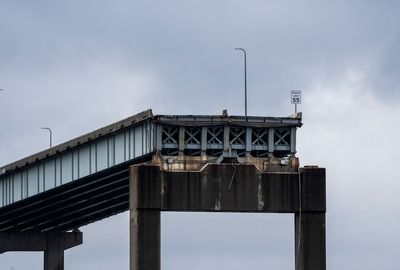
(152, 191)
(310, 251)
(310, 222)
(54, 254)
(145, 240)
(145, 207)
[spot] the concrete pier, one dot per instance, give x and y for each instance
(52, 243)
(145, 207)
(227, 188)
(310, 250)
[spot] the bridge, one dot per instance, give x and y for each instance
(150, 163)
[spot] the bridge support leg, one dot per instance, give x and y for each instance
(152, 190)
(310, 250)
(52, 243)
(54, 254)
(145, 240)
(310, 241)
(145, 231)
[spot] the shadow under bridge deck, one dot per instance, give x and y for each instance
(87, 179)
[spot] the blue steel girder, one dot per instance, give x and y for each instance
(140, 135)
(282, 139)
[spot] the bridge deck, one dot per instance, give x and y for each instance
(85, 179)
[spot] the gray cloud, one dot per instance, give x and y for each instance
(76, 66)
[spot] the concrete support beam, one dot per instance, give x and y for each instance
(52, 243)
(37, 241)
(310, 250)
(226, 188)
(240, 189)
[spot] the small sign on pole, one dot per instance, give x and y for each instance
(295, 96)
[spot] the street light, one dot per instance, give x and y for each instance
(245, 80)
(51, 134)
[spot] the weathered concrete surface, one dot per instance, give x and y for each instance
(239, 188)
(52, 243)
(145, 206)
(313, 188)
(310, 241)
(227, 188)
(37, 241)
(54, 254)
(145, 239)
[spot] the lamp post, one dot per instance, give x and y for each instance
(245, 79)
(51, 135)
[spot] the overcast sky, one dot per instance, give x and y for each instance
(78, 65)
